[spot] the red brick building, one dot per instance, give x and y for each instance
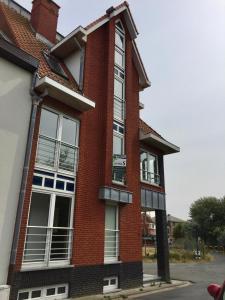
(91, 165)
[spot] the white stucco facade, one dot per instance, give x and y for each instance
(15, 109)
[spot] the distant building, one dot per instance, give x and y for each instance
(148, 230)
(171, 223)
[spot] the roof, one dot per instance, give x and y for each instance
(149, 136)
(24, 38)
(17, 56)
(112, 12)
(147, 129)
(174, 219)
(105, 17)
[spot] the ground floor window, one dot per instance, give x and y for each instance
(50, 292)
(49, 229)
(111, 233)
(110, 284)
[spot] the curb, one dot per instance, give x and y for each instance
(138, 292)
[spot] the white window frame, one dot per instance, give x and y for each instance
(117, 230)
(58, 141)
(44, 292)
(152, 182)
(48, 263)
(111, 287)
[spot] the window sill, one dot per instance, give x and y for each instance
(119, 183)
(112, 291)
(39, 268)
(149, 183)
(112, 262)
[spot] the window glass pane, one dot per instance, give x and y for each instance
(117, 144)
(50, 292)
(118, 109)
(119, 39)
(69, 131)
(111, 217)
(61, 290)
(46, 152)
(60, 185)
(113, 281)
(118, 89)
(62, 212)
(39, 209)
(36, 294)
(48, 124)
(37, 180)
(23, 296)
(49, 183)
(144, 161)
(67, 158)
(106, 282)
(119, 59)
(152, 164)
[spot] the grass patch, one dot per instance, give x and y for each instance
(177, 255)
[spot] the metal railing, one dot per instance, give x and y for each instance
(150, 177)
(111, 244)
(55, 154)
(45, 245)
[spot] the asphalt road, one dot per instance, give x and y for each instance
(201, 274)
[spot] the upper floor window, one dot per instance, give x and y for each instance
(58, 142)
(149, 167)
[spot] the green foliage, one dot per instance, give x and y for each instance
(221, 238)
(178, 231)
(208, 218)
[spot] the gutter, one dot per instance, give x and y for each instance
(36, 100)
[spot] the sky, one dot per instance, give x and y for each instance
(182, 44)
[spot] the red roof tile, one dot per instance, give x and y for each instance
(24, 37)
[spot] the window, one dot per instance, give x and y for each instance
(119, 105)
(149, 168)
(58, 142)
(51, 292)
(110, 284)
(49, 230)
(54, 65)
(111, 233)
(118, 150)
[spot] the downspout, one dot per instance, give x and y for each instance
(36, 100)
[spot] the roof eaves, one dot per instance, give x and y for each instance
(18, 56)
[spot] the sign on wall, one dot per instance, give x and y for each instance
(119, 160)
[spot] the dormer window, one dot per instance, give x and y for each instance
(55, 65)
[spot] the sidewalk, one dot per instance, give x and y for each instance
(134, 293)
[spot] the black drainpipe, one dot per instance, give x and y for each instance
(36, 100)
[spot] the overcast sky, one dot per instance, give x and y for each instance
(182, 43)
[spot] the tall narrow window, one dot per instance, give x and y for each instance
(111, 233)
(49, 229)
(149, 168)
(119, 105)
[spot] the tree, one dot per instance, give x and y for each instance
(178, 231)
(208, 215)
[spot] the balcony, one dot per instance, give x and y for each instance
(45, 247)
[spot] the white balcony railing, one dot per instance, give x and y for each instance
(111, 244)
(46, 245)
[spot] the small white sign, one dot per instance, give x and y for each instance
(119, 161)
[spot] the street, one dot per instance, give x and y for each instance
(201, 274)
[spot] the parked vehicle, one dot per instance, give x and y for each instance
(217, 291)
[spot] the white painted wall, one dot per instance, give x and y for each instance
(73, 64)
(15, 108)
